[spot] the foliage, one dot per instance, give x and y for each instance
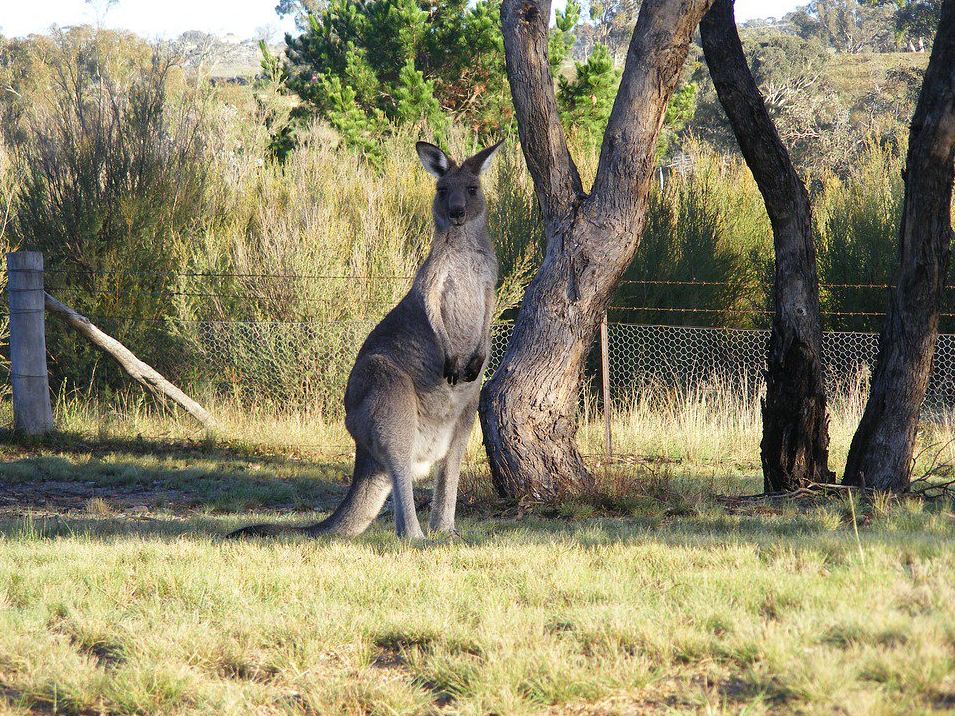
(210, 200)
(708, 224)
(856, 229)
(585, 102)
(808, 113)
(365, 66)
(114, 173)
(274, 113)
(611, 24)
(299, 10)
(562, 37)
(915, 21)
(846, 25)
(679, 114)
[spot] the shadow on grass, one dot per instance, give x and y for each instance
(68, 485)
(62, 472)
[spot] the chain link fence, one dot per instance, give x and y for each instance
(310, 362)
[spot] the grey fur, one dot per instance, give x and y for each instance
(413, 392)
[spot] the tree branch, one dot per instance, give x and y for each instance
(542, 138)
(655, 58)
(755, 132)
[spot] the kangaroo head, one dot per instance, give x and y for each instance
(459, 198)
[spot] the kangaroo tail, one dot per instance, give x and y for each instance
(367, 494)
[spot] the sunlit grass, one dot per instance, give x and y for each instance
(771, 612)
(651, 595)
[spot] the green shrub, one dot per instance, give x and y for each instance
(114, 176)
(708, 224)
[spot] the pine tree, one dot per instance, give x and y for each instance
(368, 65)
(561, 39)
(585, 102)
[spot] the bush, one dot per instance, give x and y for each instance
(114, 177)
(856, 225)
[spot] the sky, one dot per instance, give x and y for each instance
(166, 19)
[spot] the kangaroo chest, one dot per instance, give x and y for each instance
(463, 300)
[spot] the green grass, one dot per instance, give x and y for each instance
(121, 596)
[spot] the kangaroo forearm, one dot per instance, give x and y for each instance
(432, 301)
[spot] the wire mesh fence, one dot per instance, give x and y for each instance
(260, 360)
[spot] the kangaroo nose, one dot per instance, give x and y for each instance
(456, 212)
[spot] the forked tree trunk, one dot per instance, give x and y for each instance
(881, 452)
(795, 444)
(528, 409)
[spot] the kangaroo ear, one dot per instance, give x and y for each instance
(434, 161)
(482, 160)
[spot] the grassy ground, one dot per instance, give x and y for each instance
(118, 595)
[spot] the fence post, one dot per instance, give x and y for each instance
(605, 380)
(32, 413)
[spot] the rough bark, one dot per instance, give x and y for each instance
(528, 409)
(795, 444)
(881, 452)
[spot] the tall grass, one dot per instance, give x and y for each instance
(856, 228)
(707, 224)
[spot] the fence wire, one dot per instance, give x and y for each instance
(293, 362)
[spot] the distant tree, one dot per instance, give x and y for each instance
(299, 9)
(804, 107)
(612, 22)
(915, 21)
(846, 25)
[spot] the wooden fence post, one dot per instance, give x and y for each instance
(32, 412)
(605, 380)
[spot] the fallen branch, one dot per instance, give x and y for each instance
(812, 489)
(922, 488)
(137, 370)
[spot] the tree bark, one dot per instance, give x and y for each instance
(795, 444)
(881, 452)
(528, 408)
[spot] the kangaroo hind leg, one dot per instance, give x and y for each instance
(366, 495)
(445, 496)
(386, 424)
(369, 488)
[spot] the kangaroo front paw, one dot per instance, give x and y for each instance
(473, 368)
(452, 370)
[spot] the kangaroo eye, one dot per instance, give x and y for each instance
(472, 190)
(442, 192)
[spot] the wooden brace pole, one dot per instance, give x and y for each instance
(139, 371)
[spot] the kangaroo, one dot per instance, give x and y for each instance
(412, 394)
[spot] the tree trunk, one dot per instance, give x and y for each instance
(528, 408)
(795, 444)
(881, 452)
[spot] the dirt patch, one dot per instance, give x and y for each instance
(57, 497)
